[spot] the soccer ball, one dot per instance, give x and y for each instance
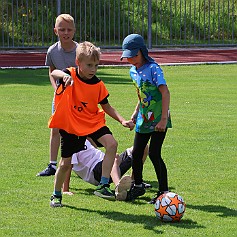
(170, 207)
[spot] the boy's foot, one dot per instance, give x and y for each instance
(135, 192)
(153, 200)
(56, 201)
(104, 191)
(122, 187)
(48, 171)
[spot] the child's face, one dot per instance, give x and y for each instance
(87, 67)
(65, 31)
(137, 60)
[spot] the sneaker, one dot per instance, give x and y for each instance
(56, 201)
(153, 200)
(135, 192)
(103, 190)
(146, 185)
(48, 171)
(122, 187)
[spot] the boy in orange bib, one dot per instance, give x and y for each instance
(78, 115)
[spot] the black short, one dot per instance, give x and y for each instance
(125, 165)
(99, 133)
(71, 143)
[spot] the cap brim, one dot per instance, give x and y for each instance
(129, 53)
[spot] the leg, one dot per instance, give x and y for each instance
(66, 184)
(145, 154)
(123, 163)
(54, 146)
(70, 144)
(110, 145)
(156, 143)
(115, 172)
(140, 143)
(64, 167)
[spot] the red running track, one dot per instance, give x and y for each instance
(179, 56)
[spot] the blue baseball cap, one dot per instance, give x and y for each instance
(132, 44)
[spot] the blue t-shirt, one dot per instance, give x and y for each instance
(147, 79)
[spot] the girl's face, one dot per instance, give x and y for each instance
(137, 60)
(88, 67)
(65, 31)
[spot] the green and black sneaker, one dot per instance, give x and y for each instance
(56, 201)
(103, 191)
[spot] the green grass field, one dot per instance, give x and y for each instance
(199, 151)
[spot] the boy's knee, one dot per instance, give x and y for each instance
(65, 164)
(113, 145)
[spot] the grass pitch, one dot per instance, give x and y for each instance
(199, 151)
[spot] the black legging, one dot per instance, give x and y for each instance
(140, 142)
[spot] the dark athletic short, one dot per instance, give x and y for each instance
(125, 165)
(99, 133)
(71, 143)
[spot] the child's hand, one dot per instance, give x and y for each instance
(128, 124)
(134, 117)
(68, 80)
(161, 126)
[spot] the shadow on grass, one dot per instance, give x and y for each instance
(220, 210)
(149, 222)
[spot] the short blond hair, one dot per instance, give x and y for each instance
(87, 49)
(66, 17)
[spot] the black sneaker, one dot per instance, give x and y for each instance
(56, 201)
(48, 171)
(135, 192)
(103, 190)
(153, 200)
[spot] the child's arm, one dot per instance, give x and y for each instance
(58, 74)
(53, 82)
(161, 126)
(115, 115)
(135, 113)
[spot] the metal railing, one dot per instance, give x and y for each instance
(163, 23)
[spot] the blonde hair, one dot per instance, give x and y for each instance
(87, 49)
(66, 17)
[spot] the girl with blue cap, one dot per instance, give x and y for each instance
(151, 114)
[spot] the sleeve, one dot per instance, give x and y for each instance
(104, 94)
(157, 75)
(48, 60)
(104, 101)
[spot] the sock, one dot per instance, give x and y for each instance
(57, 193)
(104, 180)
